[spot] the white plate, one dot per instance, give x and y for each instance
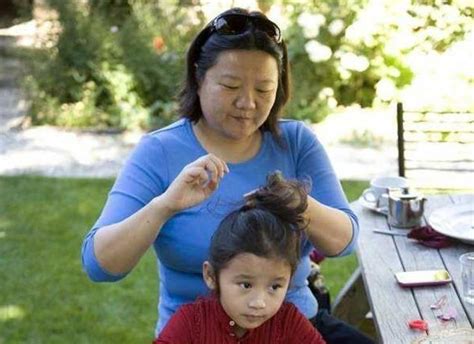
(372, 206)
(455, 221)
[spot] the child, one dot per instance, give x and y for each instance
(253, 254)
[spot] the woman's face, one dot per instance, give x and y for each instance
(238, 92)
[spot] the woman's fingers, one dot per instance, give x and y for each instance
(196, 175)
(196, 182)
(220, 164)
(216, 168)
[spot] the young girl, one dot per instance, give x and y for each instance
(253, 255)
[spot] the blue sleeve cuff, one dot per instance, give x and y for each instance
(352, 243)
(91, 265)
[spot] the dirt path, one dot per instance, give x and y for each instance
(51, 151)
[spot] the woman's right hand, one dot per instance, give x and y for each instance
(119, 247)
(195, 183)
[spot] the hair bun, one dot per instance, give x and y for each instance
(286, 199)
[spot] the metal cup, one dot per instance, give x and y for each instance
(405, 209)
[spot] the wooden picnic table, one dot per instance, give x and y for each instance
(380, 256)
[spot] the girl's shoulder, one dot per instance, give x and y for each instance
(203, 308)
(287, 308)
(202, 303)
(190, 318)
(295, 327)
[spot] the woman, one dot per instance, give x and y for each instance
(230, 135)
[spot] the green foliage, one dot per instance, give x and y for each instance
(15, 11)
(358, 51)
(445, 21)
(110, 68)
(119, 63)
(330, 67)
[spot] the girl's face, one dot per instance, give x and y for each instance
(238, 92)
(252, 289)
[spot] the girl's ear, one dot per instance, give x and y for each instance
(209, 275)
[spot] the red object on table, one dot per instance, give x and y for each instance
(427, 236)
(418, 325)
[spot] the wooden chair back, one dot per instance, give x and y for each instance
(436, 149)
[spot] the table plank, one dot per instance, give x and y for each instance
(378, 259)
(381, 256)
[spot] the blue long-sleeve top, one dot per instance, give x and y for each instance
(182, 244)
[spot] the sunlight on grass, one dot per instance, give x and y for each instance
(3, 235)
(10, 312)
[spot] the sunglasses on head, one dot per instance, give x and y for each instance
(236, 23)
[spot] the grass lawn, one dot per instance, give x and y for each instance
(44, 295)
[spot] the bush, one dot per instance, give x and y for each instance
(365, 52)
(330, 67)
(110, 68)
(119, 63)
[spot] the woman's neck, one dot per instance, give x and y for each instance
(230, 150)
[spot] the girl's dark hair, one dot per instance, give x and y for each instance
(204, 51)
(268, 225)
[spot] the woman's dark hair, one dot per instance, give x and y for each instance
(268, 225)
(204, 51)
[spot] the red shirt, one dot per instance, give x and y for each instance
(206, 322)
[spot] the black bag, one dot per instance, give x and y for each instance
(318, 288)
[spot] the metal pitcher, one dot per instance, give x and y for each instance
(405, 208)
